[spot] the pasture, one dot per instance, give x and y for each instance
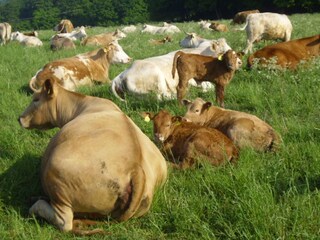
(265, 196)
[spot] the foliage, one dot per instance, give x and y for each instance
(265, 196)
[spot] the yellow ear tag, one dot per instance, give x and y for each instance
(147, 119)
(105, 49)
(220, 57)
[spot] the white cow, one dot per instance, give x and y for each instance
(166, 28)
(266, 26)
(154, 74)
(5, 33)
(205, 24)
(129, 29)
(192, 40)
(28, 41)
(75, 34)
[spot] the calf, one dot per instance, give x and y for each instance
(57, 43)
(185, 142)
(219, 27)
(5, 33)
(166, 28)
(218, 71)
(161, 41)
(28, 41)
(82, 69)
(244, 129)
(103, 39)
(241, 17)
(113, 172)
(266, 26)
(287, 54)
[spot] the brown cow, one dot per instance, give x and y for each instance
(164, 40)
(58, 43)
(245, 130)
(65, 26)
(219, 71)
(31, 34)
(113, 172)
(287, 54)
(185, 142)
(103, 39)
(82, 69)
(219, 27)
(241, 17)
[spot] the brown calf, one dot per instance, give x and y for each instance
(58, 43)
(161, 41)
(245, 130)
(219, 27)
(287, 54)
(185, 142)
(219, 71)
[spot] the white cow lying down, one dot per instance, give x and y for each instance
(28, 41)
(166, 28)
(154, 74)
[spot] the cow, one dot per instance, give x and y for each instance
(266, 26)
(166, 28)
(5, 33)
(32, 34)
(57, 43)
(114, 172)
(204, 24)
(192, 40)
(28, 41)
(286, 54)
(65, 26)
(164, 40)
(219, 27)
(82, 69)
(218, 71)
(244, 129)
(241, 17)
(154, 74)
(75, 35)
(185, 143)
(129, 29)
(103, 39)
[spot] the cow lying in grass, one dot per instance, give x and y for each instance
(103, 39)
(286, 54)
(185, 143)
(219, 71)
(245, 130)
(113, 172)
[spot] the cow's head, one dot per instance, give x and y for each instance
(196, 110)
(119, 34)
(190, 41)
(115, 53)
(41, 113)
(163, 123)
(220, 46)
(231, 59)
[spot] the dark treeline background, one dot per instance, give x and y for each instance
(43, 14)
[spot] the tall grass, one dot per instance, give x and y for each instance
(265, 196)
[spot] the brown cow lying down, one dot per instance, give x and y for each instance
(57, 43)
(113, 172)
(185, 142)
(219, 27)
(287, 54)
(164, 40)
(244, 129)
(103, 39)
(219, 71)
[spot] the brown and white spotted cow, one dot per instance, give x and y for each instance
(82, 69)
(113, 172)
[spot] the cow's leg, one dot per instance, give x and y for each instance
(220, 95)
(249, 46)
(61, 216)
(182, 89)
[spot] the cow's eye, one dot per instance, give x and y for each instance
(197, 110)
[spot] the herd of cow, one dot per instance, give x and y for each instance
(118, 168)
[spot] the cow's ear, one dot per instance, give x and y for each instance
(147, 116)
(186, 102)
(48, 87)
(206, 105)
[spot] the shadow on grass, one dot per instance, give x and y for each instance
(20, 182)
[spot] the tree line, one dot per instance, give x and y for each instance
(44, 14)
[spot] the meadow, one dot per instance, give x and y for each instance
(264, 196)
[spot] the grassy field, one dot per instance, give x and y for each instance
(265, 196)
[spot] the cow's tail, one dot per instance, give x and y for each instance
(174, 65)
(243, 28)
(138, 184)
(116, 87)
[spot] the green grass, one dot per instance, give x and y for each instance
(265, 196)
